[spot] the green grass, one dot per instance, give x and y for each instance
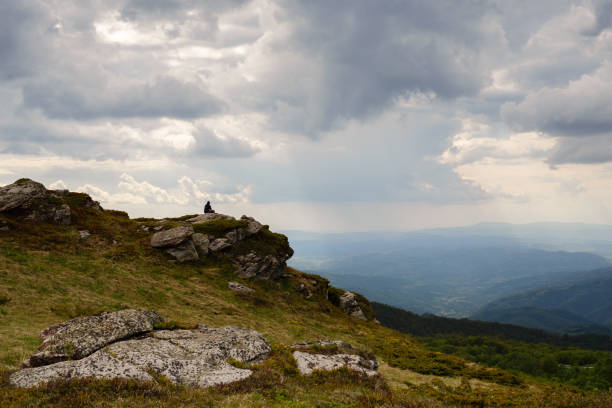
(49, 275)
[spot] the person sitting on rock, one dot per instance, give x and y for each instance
(208, 208)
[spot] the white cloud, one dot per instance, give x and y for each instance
(58, 185)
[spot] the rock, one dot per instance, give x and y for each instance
(219, 244)
(240, 288)
(253, 264)
(201, 243)
(171, 237)
(32, 202)
(184, 252)
(350, 305)
(254, 227)
(189, 357)
(209, 217)
(307, 362)
(82, 336)
(84, 234)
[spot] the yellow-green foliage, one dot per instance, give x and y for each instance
(48, 274)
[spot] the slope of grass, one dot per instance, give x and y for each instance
(48, 275)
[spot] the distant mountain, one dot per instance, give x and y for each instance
(585, 299)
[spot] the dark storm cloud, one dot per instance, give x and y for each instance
(367, 54)
(163, 97)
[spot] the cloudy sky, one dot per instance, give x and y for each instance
(315, 115)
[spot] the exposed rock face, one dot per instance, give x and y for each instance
(184, 252)
(322, 343)
(33, 202)
(171, 237)
(349, 304)
(201, 243)
(82, 336)
(308, 362)
(267, 267)
(191, 357)
(240, 288)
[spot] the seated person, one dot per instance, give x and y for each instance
(208, 208)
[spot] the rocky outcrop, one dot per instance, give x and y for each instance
(327, 355)
(195, 357)
(249, 245)
(350, 305)
(32, 202)
(82, 336)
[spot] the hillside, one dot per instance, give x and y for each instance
(562, 306)
(63, 256)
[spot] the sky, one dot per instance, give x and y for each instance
(318, 115)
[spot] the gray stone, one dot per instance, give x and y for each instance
(209, 217)
(349, 304)
(201, 243)
(82, 336)
(32, 202)
(190, 357)
(5, 228)
(171, 237)
(253, 227)
(84, 234)
(240, 288)
(219, 244)
(184, 252)
(308, 362)
(253, 264)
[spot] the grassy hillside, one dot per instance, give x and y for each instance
(48, 274)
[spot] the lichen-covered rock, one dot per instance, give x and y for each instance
(308, 362)
(32, 202)
(190, 357)
(184, 252)
(240, 288)
(201, 243)
(172, 237)
(82, 336)
(350, 305)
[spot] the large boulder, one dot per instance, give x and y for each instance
(82, 336)
(308, 362)
(350, 305)
(171, 237)
(191, 357)
(32, 202)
